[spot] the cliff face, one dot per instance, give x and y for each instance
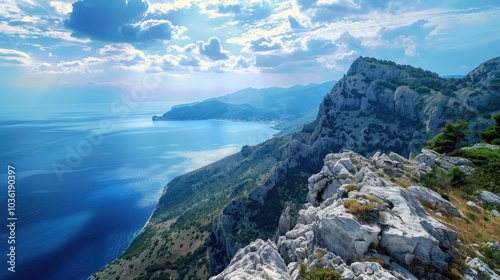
(382, 106)
(377, 106)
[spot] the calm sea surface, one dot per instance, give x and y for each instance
(87, 179)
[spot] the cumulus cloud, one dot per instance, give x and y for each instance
(185, 61)
(301, 52)
(10, 56)
(61, 7)
(213, 49)
(263, 44)
(117, 21)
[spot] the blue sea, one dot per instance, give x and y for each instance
(87, 179)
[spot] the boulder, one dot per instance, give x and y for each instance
(495, 213)
(489, 198)
(474, 207)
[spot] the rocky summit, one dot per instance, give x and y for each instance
(362, 224)
(379, 109)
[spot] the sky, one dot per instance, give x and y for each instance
(159, 50)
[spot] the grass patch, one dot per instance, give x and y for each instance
(318, 273)
(473, 229)
(403, 182)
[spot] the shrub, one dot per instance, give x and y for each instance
(319, 254)
(447, 140)
(492, 133)
(486, 175)
(403, 182)
(318, 273)
(457, 176)
(349, 188)
(377, 260)
(356, 208)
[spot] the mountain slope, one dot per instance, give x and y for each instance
(377, 106)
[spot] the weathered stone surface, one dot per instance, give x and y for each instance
(495, 213)
(474, 207)
(434, 201)
(368, 271)
(482, 146)
(259, 260)
(482, 270)
(489, 197)
(395, 220)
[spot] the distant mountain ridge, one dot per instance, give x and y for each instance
(214, 109)
(379, 106)
(292, 107)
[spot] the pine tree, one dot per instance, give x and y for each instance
(447, 140)
(492, 133)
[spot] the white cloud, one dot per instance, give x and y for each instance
(10, 56)
(61, 8)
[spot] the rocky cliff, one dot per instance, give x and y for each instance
(378, 106)
(362, 224)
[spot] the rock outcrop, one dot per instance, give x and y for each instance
(361, 224)
(259, 260)
(355, 209)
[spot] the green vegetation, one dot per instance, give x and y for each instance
(456, 176)
(364, 212)
(421, 81)
(263, 219)
(492, 257)
(318, 273)
(447, 140)
(495, 83)
(413, 71)
(486, 175)
(492, 133)
(349, 188)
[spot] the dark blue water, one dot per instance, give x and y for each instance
(85, 188)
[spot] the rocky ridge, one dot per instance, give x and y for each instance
(363, 225)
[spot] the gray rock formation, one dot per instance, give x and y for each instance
(489, 198)
(259, 260)
(480, 270)
(435, 201)
(495, 213)
(364, 211)
(482, 146)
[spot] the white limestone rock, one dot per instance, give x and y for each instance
(435, 201)
(259, 260)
